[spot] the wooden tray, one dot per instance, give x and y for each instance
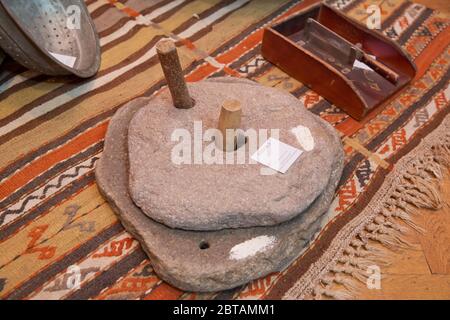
(327, 64)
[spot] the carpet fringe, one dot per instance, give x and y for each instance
(419, 188)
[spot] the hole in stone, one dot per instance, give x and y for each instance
(203, 245)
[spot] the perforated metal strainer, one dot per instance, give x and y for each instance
(55, 37)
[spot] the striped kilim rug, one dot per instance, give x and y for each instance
(54, 224)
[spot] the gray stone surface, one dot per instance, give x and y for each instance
(176, 254)
(215, 196)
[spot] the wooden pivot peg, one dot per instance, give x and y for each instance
(230, 118)
(170, 63)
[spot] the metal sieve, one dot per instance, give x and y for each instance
(55, 37)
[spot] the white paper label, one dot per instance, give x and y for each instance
(251, 247)
(304, 137)
(277, 155)
(64, 59)
(361, 65)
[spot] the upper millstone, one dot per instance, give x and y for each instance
(198, 195)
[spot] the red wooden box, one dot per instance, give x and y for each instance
(355, 90)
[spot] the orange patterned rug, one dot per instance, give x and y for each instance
(54, 224)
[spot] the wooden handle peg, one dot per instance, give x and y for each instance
(170, 63)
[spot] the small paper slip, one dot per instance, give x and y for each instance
(276, 155)
(64, 59)
(361, 65)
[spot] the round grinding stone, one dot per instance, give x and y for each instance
(208, 260)
(201, 196)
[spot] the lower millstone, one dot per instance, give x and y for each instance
(213, 260)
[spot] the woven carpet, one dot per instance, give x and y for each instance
(54, 224)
